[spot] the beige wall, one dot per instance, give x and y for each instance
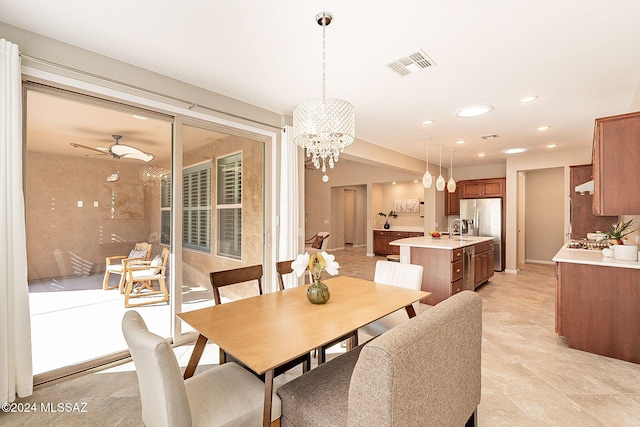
(544, 214)
(64, 239)
(401, 190)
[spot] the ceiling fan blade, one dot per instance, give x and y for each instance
(73, 144)
(128, 151)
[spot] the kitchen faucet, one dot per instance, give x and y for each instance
(451, 227)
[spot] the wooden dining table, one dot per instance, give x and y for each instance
(270, 330)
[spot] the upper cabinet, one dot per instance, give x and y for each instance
(451, 202)
(616, 164)
(481, 188)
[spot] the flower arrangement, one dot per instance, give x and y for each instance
(315, 264)
(391, 214)
(318, 292)
(618, 230)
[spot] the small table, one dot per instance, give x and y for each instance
(267, 331)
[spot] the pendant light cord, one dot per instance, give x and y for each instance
(324, 56)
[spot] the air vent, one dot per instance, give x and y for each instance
(411, 63)
(492, 136)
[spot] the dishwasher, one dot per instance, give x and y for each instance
(468, 267)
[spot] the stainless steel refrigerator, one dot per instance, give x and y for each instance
(483, 217)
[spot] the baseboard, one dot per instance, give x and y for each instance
(368, 254)
(510, 271)
(538, 261)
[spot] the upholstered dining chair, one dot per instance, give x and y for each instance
(316, 243)
(396, 274)
(226, 395)
(235, 276)
(139, 278)
(115, 264)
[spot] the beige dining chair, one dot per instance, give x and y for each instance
(115, 264)
(226, 395)
(407, 276)
(220, 279)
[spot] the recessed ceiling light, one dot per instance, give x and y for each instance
(515, 150)
(542, 128)
(528, 99)
(552, 145)
(482, 154)
(136, 116)
(394, 183)
(474, 111)
(415, 181)
(460, 141)
(427, 122)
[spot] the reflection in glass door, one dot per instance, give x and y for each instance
(222, 211)
(86, 201)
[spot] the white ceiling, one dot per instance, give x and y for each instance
(579, 56)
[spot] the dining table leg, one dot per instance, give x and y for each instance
(268, 397)
(410, 311)
(198, 348)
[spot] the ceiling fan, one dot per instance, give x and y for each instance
(118, 150)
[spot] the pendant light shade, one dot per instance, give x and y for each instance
(323, 127)
(440, 181)
(427, 179)
(451, 185)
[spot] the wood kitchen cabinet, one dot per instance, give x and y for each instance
(382, 238)
(616, 159)
(597, 309)
(442, 272)
(484, 259)
(451, 202)
(583, 220)
(482, 188)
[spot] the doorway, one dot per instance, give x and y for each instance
(350, 215)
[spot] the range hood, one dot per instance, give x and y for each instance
(586, 188)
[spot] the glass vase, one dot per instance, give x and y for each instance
(318, 292)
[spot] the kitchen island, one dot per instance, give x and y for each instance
(598, 303)
(446, 271)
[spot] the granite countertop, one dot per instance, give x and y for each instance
(441, 243)
(591, 257)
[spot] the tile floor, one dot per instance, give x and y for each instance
(529, 378)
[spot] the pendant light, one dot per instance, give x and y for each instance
(427, 179)
(451, 185)
(324, 126)
(440, 181)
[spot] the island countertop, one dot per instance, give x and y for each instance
(441, 243)
(591, 257)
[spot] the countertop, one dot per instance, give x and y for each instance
(586, 256)
(407, 228)
(441, 243)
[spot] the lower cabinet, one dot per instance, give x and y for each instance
(442, 272)
(597, 309)
(484, 261)
(382, 238)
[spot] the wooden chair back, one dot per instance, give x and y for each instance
(283, 267)
(223, 278)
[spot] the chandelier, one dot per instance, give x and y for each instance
(323, 127)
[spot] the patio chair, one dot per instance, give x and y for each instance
(115, 264)
(234, 276)
(223, 395)
(140, 276)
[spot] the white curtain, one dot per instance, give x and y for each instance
(289, 201)
(16, 372)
